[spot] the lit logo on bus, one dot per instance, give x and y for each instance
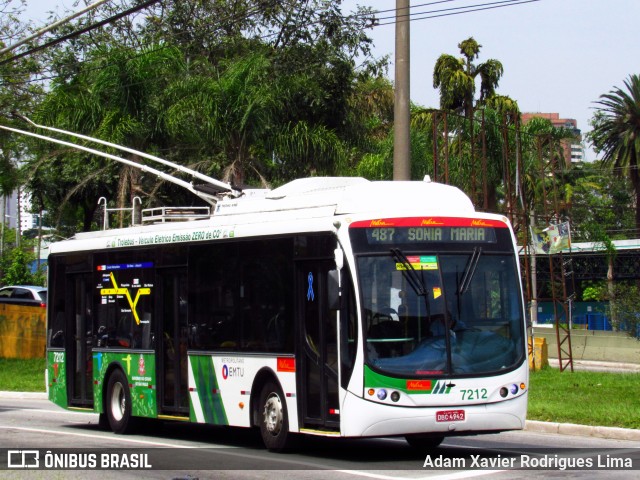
(380, 223)
(430, 222)
(286, 364)
(419, 385)
(427, 386)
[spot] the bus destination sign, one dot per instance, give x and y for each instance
(430, 230)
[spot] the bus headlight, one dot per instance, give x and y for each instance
(382, 394)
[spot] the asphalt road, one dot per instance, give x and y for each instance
(189, 452)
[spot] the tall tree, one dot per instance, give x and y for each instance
(543, 176)
(113, 96)
(17, 92)
(600, 204)
(249, 88)
(616, 134)
(456, 78)
(475, 135)
(243, 109)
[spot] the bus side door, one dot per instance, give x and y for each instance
(318, 348)
(172, 334)
(79, 319)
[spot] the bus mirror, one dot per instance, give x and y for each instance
(333, 289)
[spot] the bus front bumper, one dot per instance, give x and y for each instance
(363, 418)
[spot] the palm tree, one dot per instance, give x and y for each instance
(616, 133)
(456, 77)
(113, 96)
(240, 108)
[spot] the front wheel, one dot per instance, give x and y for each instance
(274, 421)
(118, 404)
(424, 443)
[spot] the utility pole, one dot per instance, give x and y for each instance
(401, 113)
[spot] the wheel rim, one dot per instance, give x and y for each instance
(118, 402)
(273, 415)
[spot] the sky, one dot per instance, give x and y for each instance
(558, 55)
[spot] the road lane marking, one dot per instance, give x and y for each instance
(447, 476)
(224, 449)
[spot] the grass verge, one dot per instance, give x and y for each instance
(19, 375)
(585, 398)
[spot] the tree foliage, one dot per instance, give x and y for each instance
(17, 92)
(456, 78)
(623, 306)
(17, 270)
(249, 91)
(599, 204)
(260, 92)
(616, 133)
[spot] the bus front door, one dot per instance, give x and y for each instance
(171, 346)
(318, 378)
(80, 324)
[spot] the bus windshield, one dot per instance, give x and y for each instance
(445, 308)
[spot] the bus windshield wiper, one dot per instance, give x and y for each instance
(415, 281)
(469, 270)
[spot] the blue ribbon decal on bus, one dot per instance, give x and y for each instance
(310, 294)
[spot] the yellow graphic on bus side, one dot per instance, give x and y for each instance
(125, 291)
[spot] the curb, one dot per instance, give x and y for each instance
(611, 433)
(599, 366)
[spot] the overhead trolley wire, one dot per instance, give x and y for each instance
(79, 32)
(451, 11)
(438, 12)
(53, 26)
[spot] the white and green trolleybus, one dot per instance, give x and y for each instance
(328, 306)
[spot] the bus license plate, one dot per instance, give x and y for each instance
(450, 416)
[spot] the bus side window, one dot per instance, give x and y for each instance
(123, 337)
(56, 332)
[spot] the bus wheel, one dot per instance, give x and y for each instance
(118, 404)
(423, 442)
(274, 422)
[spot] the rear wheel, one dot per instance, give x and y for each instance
(274, 421)
(118, 403)
(423, 442)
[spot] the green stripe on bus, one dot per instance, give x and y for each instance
(206, 384)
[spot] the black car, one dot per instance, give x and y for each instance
(24, 295)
